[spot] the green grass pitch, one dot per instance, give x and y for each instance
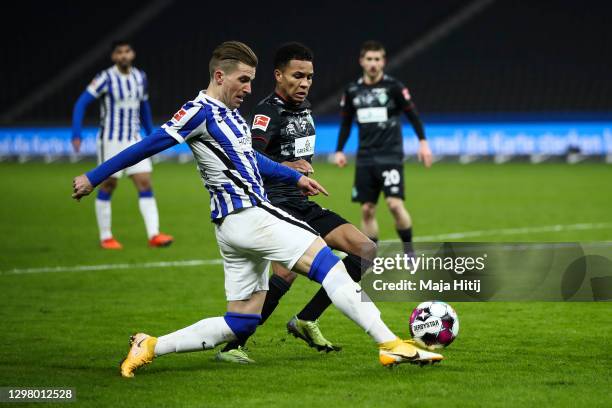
(70, 329)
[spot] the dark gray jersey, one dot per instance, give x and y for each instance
(377, 109)
(283, 132)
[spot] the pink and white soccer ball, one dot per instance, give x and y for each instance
(434, 324)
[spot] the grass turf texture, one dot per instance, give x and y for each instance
(71, 328)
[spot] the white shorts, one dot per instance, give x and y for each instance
(107, 149)
(251, 238)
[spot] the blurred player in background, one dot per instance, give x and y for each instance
(283, 130)
(124, 108)
(377, 101)
(250, 231)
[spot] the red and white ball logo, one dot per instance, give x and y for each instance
(261, 122)
(179, 115)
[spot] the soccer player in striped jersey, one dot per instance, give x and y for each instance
(250, 231)
(124, 107)
(283, 129)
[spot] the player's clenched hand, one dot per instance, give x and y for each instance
(300, 165)
(340, 159)
(310, 187)
(81, 186)
(424, 153)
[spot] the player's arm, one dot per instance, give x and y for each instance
(276, 171)
(347, 113)
(404, 100)
(96, 88)
(158, 141)
(146, 117)
(78, 112)
(186, 123)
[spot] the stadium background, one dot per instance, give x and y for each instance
(513, 82)
(491, 78)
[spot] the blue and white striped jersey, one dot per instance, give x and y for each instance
(120, 97)
(220, 141)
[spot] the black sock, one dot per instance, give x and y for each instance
(406, 237)
(315, 308)
(354, 267)
(278, 287)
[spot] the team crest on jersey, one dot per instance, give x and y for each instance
(291, 130)
(261, 122)
(381, 95)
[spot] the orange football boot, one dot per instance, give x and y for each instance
(110, 243)
(161, 240)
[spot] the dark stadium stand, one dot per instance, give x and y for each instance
(519, 56)
(516, 56)
(175, 47)
(37, 48)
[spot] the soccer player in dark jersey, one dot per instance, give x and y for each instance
(377, 101)
(283, 130)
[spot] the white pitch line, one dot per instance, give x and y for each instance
(512, 231)
(86, 268)
(427, 238)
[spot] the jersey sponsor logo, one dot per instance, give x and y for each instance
(179, 115)
(406, 94)
(245, 142)
(372, 115)
(305, 146)
(261, 122)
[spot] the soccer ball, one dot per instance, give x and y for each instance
(434, 324)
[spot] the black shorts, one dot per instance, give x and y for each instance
(320, 219)
(371, 179)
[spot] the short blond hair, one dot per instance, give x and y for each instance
(227, 55)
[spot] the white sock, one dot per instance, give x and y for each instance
(148, 209)
(203, 335)
(103, 215)
(347, 295)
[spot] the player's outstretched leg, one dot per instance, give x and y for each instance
(361, 250)
(279, 284)
(203, 335)
(325, 268)
(305, 324)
